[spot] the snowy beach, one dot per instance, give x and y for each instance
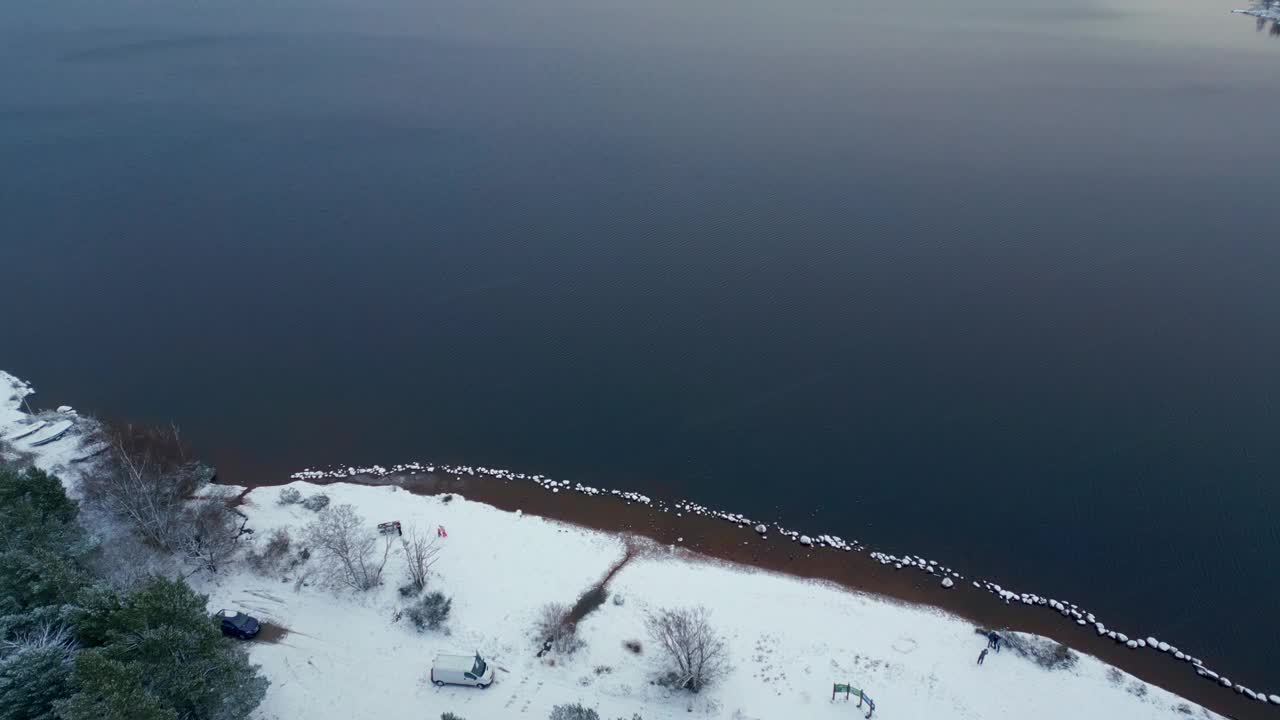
(790, 639)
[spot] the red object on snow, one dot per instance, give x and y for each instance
(440, 531)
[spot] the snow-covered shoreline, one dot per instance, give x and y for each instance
(1068, 612)
(502, 566)
(790, 640)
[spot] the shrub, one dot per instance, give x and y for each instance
(269, 559)
(431, 612)
(409, 590)
(573, 712)
(290, 496)
(316, 503)
(1048, 654)
(634, 646)
(696, 653)
(554, 630)
(450, 716)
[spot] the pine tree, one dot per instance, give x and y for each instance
(35, 673)
(160, 647)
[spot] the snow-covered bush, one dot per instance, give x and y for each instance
(450, 716)
(347, 548)
(316, 503)
(575, 711)
(290, 496)
(554, 630)
(431, 612)
(696, 653)
(269, 559)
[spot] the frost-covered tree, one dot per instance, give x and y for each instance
(347, 548)
(696, 652)
(35, 673)
(420, 553)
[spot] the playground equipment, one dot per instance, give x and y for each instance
(849, 691)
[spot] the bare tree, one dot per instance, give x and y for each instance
(698, 655)
(420, 554)
(347, 548)
(147, 481)
(209, 533)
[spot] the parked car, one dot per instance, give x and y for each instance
(461, 670)
(238, 625)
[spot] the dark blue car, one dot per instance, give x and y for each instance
(238, 625)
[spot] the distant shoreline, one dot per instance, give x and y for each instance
(719, 540)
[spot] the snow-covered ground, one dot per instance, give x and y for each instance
(53, 440)
(790, 640)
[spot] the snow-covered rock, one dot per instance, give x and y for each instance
(947, 582)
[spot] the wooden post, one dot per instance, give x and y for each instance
(859, 698)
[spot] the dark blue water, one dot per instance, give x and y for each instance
(995, 281)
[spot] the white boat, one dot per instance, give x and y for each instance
(49, 434)
(27, 430)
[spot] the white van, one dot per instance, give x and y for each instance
(461, 670)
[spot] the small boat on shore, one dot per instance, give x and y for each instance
(26, 430)
(50, 433)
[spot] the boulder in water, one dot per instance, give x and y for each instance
(947, 583)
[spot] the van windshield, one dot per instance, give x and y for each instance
(479, 668)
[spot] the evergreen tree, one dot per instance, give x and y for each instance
(41, 544)
(112, 690)
(35, 674)
(159, 647)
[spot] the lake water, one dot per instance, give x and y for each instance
(997, 281)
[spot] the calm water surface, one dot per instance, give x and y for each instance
(996, 280)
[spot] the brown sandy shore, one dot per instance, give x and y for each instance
(725, 541)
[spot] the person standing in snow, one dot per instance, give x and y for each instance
(982, 656)
(995, 641)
